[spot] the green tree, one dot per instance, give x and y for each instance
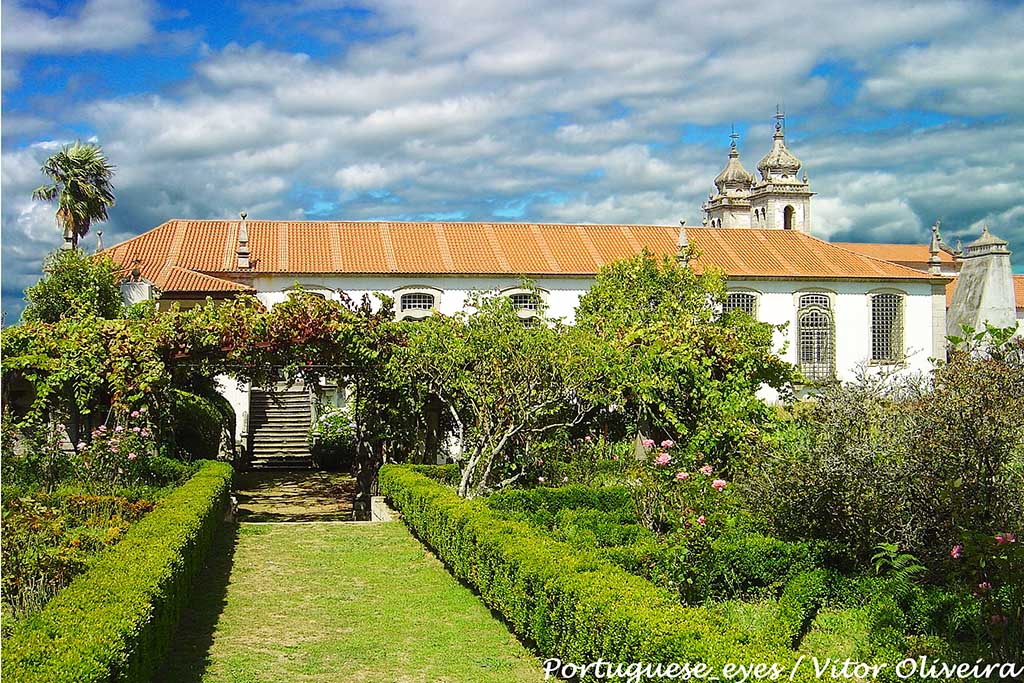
(505, 384)
(81, 185)
(74, 285)
(684, 369)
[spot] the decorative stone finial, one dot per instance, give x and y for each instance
(99, 241)
(243, 243)
(683, 245)
(934, 262)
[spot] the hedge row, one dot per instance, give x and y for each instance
(115, 621)
(570, 602)
(737, 564)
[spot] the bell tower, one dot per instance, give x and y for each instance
(781, 200)
(730, 207)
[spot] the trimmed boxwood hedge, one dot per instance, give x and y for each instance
(570, 603)
(115, 621)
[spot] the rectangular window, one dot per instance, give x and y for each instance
(741, 301)
(417, 302)
(886, 328)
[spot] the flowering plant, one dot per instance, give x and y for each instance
(120, 455)
(677, 493)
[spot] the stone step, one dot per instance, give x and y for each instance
(283, 463)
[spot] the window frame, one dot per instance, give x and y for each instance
(899, 357)
(828, 310)
(754, 294)
(527, 313)
(416, 314)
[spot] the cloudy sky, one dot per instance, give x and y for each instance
(594, 111)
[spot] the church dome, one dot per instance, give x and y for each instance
(779, 161)
(734, 176)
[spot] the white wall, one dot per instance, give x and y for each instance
(776, 305)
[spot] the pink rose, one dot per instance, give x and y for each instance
(682, 476)
(718, 484)
(81, 445)
(102, 428)
(144, 432)
(136, 429)
(587, 439)
(1005, 537)
(540, 479)
(132, 456)
(648, 443)
(118, 428)
(135, 413)
(985, 585)
(662, 459)
(668, 443)
(956, 551)
(701, 520)
(706, 470)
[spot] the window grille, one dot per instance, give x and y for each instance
(741, 301)
(886, 328)
(417, 301)
(525, 302)
(814, 337)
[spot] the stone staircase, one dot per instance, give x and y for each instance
(279, 429)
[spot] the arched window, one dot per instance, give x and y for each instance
(787, 217)
(416, 301)
(815, 343)
(886, 328)
(741, 301)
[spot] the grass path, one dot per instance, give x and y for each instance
(317, 602)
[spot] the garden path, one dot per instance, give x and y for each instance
(312, 601)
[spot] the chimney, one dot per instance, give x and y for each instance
(984, 288)
(243, 243)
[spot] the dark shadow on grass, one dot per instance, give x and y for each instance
(188, 657)
(294, 496)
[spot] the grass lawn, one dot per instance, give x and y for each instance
(338, 602)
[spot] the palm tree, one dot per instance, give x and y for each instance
(81, 186)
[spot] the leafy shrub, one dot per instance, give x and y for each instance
(47, 540)
(570, 602)
(333, 439)
(115, 621)
(798, 606)
(197, 424)
(74, 285)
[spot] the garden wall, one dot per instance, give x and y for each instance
(115, 622)
(570, 603)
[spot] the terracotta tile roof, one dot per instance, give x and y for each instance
(1018, 291)
(900, 253)
(533, 249)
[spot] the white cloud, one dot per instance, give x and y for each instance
(100, 25)
(576, 111)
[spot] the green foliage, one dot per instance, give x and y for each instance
(115, 621)
(569, 601)
(920, 462)
(901, 568)
(798, 605)
(74, 285)
(47, 540)
(681, 369)
(197, 425)
(81, 185)
(333, 439)
(506, 385)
